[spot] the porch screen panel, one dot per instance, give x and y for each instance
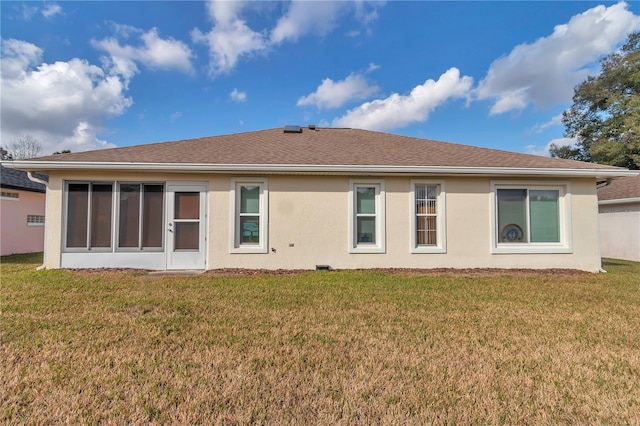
(77, 214)
(101, 202)
(187, 236)
(187, 205)
(129, 215)
(152, 225)
(544, 216)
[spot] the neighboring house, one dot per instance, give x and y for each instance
(302, 198)
(22, 204)
(619, 207)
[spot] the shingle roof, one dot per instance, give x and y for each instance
(17, 179)
(323, 146)
(622, 188)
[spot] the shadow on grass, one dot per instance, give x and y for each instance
(26, 258)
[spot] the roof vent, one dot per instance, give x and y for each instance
(312, 126)
(292, 129)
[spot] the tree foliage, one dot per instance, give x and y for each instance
(605, 115)
(23, 147)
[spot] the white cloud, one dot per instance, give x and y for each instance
(555, 121)
(238, 96)
(401, 110)
(62, 104)
(230, 38)
(51, 9)
(546, 71)
(308, 17)
(544, 151)
(175, 116)
(332, 94)
(155, 53)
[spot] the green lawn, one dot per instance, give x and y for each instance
(345, 347)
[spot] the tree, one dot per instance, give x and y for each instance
(5, 154)
(25, 146)
(605, 115)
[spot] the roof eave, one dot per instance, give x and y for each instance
(312, 168)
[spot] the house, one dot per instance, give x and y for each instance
(619, 218)
(22, 205)
(305, 198)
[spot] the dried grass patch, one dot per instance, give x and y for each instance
(346, 347)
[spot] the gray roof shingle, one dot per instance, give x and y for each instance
(621, 188)
(323, 146)
(17, 179)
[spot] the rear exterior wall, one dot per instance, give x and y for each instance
(308, 223)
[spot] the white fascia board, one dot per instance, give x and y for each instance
(619, 201)
(311, 168)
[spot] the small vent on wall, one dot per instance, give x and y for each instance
(292, 129)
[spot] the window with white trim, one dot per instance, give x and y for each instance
(35, 220)
(249, 207)
(428, 219)
(89, 215)
(366, 210)
(530, 218)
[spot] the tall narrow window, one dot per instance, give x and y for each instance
(428, 221)
(89, 213)
(249, 202)
(367, 220)
(426, 215)
(141, 216)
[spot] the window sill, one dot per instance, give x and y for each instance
(532, 249)
(427, 250)
(248, 250)
(365, 249)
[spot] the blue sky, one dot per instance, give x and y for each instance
(88, 75)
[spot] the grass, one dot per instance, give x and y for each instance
(346, 347)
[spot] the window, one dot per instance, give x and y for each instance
(140, 224)
(530, 218)
(35, 220)
(366, 210)
(249, 204)
(89, 213)
(9, 195)
(428, 219)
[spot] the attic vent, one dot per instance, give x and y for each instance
(292, 129)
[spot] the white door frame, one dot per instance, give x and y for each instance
(191, 258)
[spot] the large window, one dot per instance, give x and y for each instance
(249, 199)
(428, 224)
(366, 209)
(89, 215)
(530, 218)
(140, 224)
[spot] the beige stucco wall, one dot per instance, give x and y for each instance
(309, 224)
(17, 236)
(620, 231)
